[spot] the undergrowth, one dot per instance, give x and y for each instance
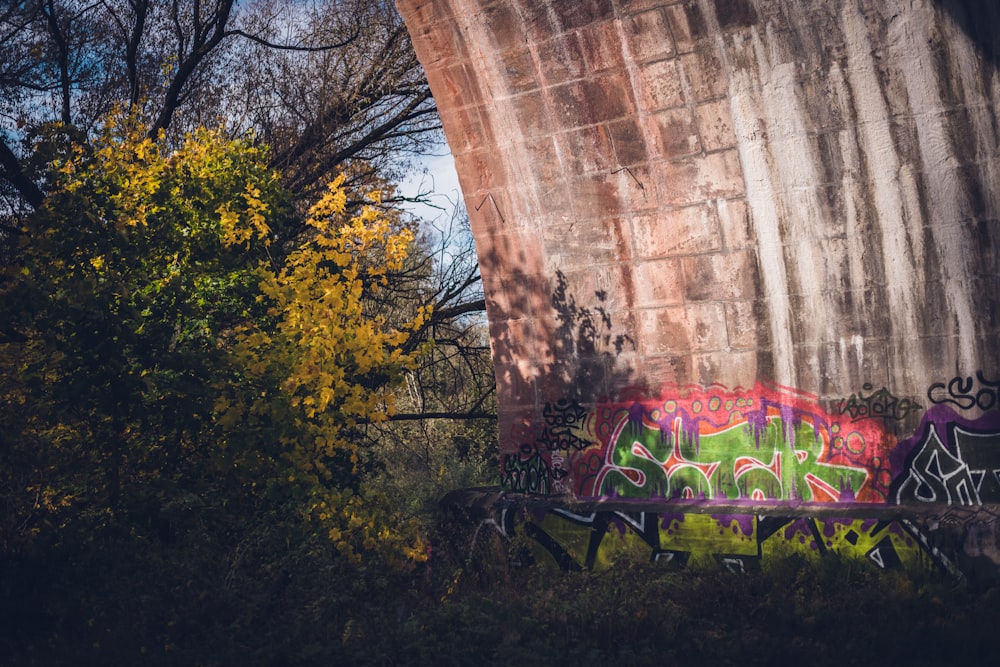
(831, 612)
(473, 605)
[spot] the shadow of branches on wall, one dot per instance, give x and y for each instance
(588, 346)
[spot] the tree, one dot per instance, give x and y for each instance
(367, 103)
(200, 354)
(333, 84)
(199, 339)
(167, 353)
(327, 82)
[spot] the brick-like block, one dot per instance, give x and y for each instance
(639, 185)
(425, 12)
(571, 15)
(581, 243)
(856, 357)
(660, 85)
(670, 369)
(636, 187)
(730, 369)
(736, 14)
(747, 324)
(505, 26)
(697, 179)
(628, 141)
(721, 276)
(734, 221)
(602, 46)
(532, 113)
(600, 289)
(659, 282)
(715, 125)
(808, 364)
(519, 291)
(687, 25)
(680, 329)
(456, 85)
(600, 99)
(679, 231)
(437, 47)
(467, 130)
(478, 172)
(586, 150)
(561, 59)
(544, 153)
(674, 133)
(517, 66)
(706, 77)
(648, 35)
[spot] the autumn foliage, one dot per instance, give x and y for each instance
(167, 369)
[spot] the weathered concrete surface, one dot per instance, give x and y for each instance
(785, 208)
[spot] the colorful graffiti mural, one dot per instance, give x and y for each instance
(706, 443)
(699, 464)
(769, 443)
(960, 541)
(740, 543)
(715, 444)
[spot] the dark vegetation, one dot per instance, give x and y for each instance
(167, 496)
(105, 608)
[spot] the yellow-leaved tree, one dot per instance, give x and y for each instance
(171, 373)
(323, 364)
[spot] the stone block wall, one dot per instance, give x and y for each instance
(734, 251)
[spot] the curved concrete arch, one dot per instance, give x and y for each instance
(787, 209)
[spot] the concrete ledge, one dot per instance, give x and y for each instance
(961, 541)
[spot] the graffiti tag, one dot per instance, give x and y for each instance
(880, 404)
(959, 392)
(562, 420)
(530, 476)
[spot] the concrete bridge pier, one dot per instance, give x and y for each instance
(737, 254)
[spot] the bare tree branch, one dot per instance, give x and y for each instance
(295, 47)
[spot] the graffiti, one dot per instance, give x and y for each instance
(877, 405)
(959, 392)
(558, 473)
(562, 419)
(739, 543)
(715, 444)
(952, 461)
(936, 475)
(715, 456)
(530, 476)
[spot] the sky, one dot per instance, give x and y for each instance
(437, 176)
